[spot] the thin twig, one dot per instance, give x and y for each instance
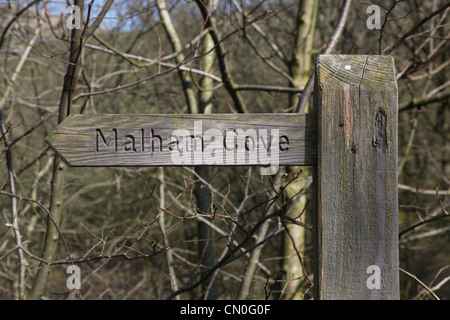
(26, 133)
(16, 16)
(418, 190)
(421, 283)
(49, 214)
(393, 46)
(438, 213)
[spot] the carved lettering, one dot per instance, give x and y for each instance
(210, 147)
(129, 141)
(154, 137)
(106, 142)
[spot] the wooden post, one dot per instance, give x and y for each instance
(356, 179)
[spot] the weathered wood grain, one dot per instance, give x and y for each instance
(115, 140)
(356, 177)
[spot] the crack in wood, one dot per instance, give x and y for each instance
(379, 140)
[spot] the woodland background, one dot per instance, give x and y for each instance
(202, 233)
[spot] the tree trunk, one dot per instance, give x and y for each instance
(300, 69)
(188, 86)
(59, 168)
(204, 105)
(202, 192)
(250, 269)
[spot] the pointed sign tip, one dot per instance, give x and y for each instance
(49, 140)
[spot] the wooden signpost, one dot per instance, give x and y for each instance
(117, 140)
(350, 139)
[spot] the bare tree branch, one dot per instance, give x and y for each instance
(418, 24)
